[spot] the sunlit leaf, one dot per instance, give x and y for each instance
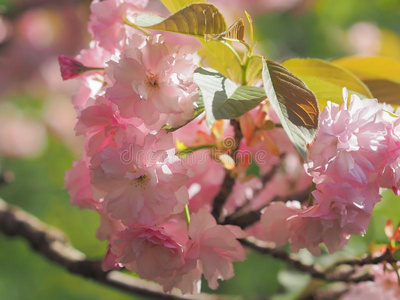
(325, 79)
(175, 5)
(385, 90)
(217, 56)
(390, 44)
(295, 105)
(214, 54)
(251, 27)
(371, 67)
(254, 70)
(234, 33)
(223, 99)
(197, 19)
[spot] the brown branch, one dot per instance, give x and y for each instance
(314, 271)
(53, 245)
(251, 217)
(367, 260)
(229, 180)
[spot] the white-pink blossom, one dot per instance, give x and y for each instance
(107, 24)
(351, 142)
(143, 181)
(216, 246)
(148, 251)
(152, 80)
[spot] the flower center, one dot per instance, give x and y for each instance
(141, 182)
(152, 82)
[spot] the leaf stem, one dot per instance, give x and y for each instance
(187, 215)
(87, 69)
(189, 150)
(144, 31)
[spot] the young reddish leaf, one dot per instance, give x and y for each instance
(234, 33)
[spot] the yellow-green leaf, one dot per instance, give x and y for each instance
(234, 33)
(371, 67)
(175, 5)
(325, 79)
(215, 55)
(251, 28)
(294, 103)
(390, 44)
(324, 90)
(385, 90)
(197, 19)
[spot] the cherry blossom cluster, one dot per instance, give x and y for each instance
(356, 153)
(131, 86)
(154, 203)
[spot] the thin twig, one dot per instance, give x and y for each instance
(251, 217)
(53, 244)
(367, 260)
(229, 180)
(314, 271)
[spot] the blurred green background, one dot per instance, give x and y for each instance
(319, 29)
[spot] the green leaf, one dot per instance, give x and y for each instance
(223, 99)
(175, 5)
(396, 254)
(325, 79)
(244, 99)
(217, 56)
(295, 105)
(214, 54)
(253, 169)
(198, 19)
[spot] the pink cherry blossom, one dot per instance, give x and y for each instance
(69, 67)
(92, 81)
(148, 251)
(108, 226)
(384, 287)
(216, 247)
(102, 125)
(143, 180)
(77, 183)
(340, 211)
(275, 220)
(351, 141)
(107, 24)
(153, 80)
(110, 261)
